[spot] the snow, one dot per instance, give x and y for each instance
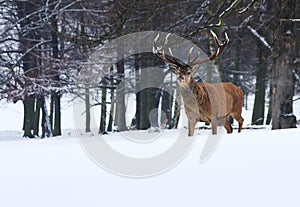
(253, 168)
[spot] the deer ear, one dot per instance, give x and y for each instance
(194, 68)
(173, 68)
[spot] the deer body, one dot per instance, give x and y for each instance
(206, 102)
(211, 103)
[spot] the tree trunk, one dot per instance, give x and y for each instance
(167, 104)
(177, 107)
(112, 106)
(120, 120)
(46, 126)
(166, 108)
(87, 109)
(259, 101)
(153, 99)
(37, 117)
(143, 109)
(269, 115)
(28, 116)
(282, 73)
(236, 68)
(103, 108)
(29, 63)
(282, 90)
(148, 98)
(55, 69)
(139, 94)
(145, 103)
(51, 115)
(237, 62)
(57, 115)
(209, 67)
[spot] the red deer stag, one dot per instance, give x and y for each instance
(205, 102)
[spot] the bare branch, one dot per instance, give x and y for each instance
(261, 38)
(290, 20)
(247, 7)
(225, 13)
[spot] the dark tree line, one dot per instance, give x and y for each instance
(44, 45)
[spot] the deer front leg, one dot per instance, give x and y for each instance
(214, 125)
(191, 126)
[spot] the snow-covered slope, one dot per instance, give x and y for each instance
(254, 168)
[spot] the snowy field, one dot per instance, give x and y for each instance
(256, 168)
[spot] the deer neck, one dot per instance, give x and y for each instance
(188, 92)
(194, 95)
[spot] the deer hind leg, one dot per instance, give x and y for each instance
(239, 119)
(191, 126)
(227, 125)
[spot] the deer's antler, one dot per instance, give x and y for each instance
(170, 59)
(159, 52)
(221, 45)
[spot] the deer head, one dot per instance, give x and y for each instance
(184, 71)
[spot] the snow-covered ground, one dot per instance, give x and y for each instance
(254, 168)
